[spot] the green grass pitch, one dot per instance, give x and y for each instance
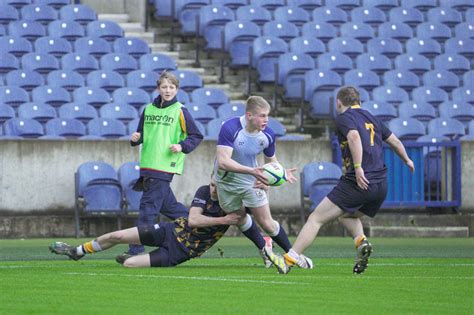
(405, 276)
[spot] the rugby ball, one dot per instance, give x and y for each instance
(275, 173)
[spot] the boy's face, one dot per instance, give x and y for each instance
(167, 90)
(259, 119)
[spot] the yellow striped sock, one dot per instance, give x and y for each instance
(88, 248)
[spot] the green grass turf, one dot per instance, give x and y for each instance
(405, 276)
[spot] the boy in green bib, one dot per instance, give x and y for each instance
(167, 132)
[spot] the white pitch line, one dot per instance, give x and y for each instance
(184, 278)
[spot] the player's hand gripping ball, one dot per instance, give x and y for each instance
(275, 173)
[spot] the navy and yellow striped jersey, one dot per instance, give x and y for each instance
(372, 134)
(196, 241)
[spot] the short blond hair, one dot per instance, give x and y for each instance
(165, 75)
(254, 102)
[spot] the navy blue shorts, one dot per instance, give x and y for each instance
(350, 198)
(170, 253)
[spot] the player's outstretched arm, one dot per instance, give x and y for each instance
(399, 149)
(196, 218)
(226, 163)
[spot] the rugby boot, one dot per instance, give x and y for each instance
(62, 248)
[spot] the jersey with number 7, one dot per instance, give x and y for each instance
(373, 133)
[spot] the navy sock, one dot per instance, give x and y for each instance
(282, 239)
(253, 234)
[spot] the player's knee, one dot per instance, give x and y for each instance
(269, 226)
(130, 263)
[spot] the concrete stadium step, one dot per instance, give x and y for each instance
(118, 18)
(419, 231)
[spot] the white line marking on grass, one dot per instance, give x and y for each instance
(184, 278)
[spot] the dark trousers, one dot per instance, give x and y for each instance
(157, 198)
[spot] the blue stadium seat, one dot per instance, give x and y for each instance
(295, 15)
(182, 96)
(337, 62)
(469, 15)
(80, 111)
(307, 45)
(107, 80)
(266, 50)
(132, 126)
(132, 96)
(277, 127)
(8, 13)
(400, 31)
(94, 46)
(270, 5)
(8, 62)
(143, 79)
(430, 94)
(464, 30)
(201, 128)
(229, 110)
(239, 37)
(119, 111)
(107, 30)
(403, 78)
(463, 94)
(70, 80)
(255, 14)
(384, 111)
(308, 5)
(157, 62)
(321, 173)
(39, 62)
(320, 30)
(13, 95)
(30, 30)
(52, 95)
(3, 32)
(422, 5)
(210, 96)
(374, 62)
(213, 128)
(16, 46)
(360, 31)
(442, 79)
(444, 15)
(421, 111)
(462, 111)
(390, 94)
(462, 46)
(407, 128)
(281, 29)
(201, 112)
(106, 128)
(68, 128)
(92, 96)
(384, 5)
(468, 78)
(292, 68)
(187, 12)
(213, 19)
(6, 112)
(471, 127)
(447, 127)
(23, 127)
(415, 63)
(81, 13)
(231, 4)
(371, 16)
(330, 14)
(68, 30)
(57, 47)
(57, 4)
(455, 63)
(389, 47)
(346, 45)
(427, 47)
(26, 79)
(128, 173)
(80, 62)
(188, 80)
(132, 46)
(346, 5)
(320, 85)
(38, 111)
(410, 16)
(43, 14)
(460, 5)
(365, 79)
(434, 30)
(18, 4)
(118, 62)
